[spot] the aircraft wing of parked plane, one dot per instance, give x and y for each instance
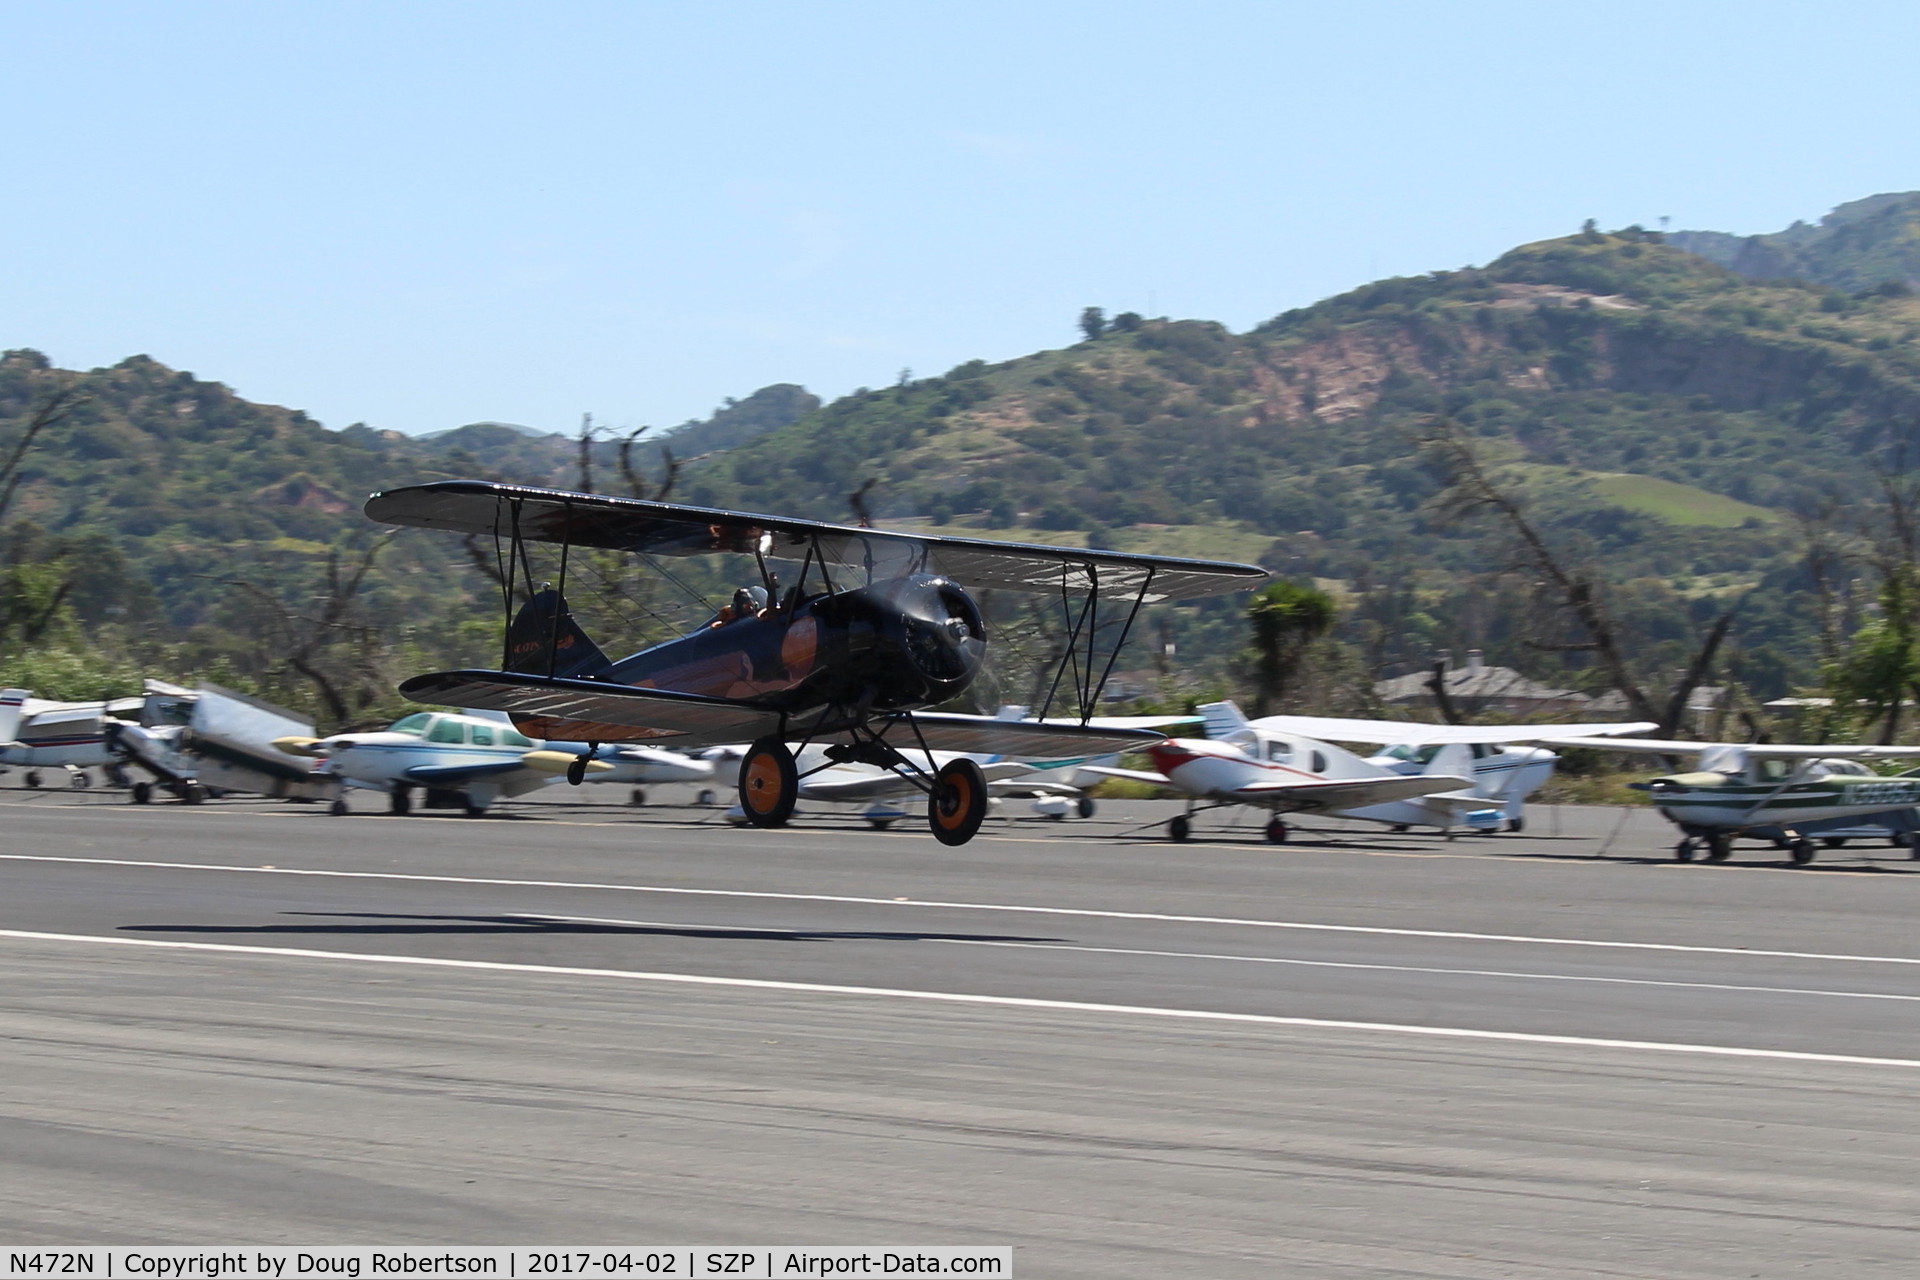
(1755, 750)
(1387, 733)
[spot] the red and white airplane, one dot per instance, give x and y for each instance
(1292, 774)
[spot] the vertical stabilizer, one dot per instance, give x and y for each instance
(1223, 718)
(538, 645)
(12, 701)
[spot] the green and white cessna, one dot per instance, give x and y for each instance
(1766, 790)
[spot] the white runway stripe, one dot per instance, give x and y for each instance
(963, 998)
(935, 904)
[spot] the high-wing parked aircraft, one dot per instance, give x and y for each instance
(1739, 789)
(1505, 768)
(1287, 773)
(852, 660)
(462, 762)
(43, 737)
(226, 744)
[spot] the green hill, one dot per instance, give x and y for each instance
(1865, 244)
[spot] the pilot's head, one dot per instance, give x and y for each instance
(748, 601)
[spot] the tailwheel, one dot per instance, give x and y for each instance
(1179, 827)
(769, 783)
(1801, 851)
(1276, 831)
(958, 804)
(1719, 848)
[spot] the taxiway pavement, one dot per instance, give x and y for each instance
(1550, 1054)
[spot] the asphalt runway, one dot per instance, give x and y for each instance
(1558, 1053)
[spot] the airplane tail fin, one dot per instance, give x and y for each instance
(1223, 718)
(12, 702)
(1454, 760)
(537, 646)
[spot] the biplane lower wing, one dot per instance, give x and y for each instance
(983, 735)
(599, 711)
(596, 711)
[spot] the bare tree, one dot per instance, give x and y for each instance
(1471, 492)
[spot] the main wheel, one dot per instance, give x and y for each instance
(1516, 825)
(958, 804)
(472, 807)
(1834, 842)
(1685, 850)
(1179, 827)
(143, 793)
(1085, 807)
(192, 793)
(339, 807)
(1719, 847)
(400, 803)
(1801, 851)
(33, 778)
(577, 771)
(79, 779)
(769, 783)
(1276, 831)
(637, 797)
(706, 797)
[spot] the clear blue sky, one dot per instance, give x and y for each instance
(420, 215)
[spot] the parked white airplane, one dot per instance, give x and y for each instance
(227, 744)
(460, 761)
(1288, 773)
(42, 736)
(630, 763)
(1505, 768)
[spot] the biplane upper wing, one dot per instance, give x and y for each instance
(662, 528)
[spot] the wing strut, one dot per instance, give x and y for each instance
(1086, 690)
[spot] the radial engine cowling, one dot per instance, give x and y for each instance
(911, 641)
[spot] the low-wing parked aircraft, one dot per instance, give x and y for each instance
(852, 662)
(1506, 768)
(459, 762)
(1287, 773)
(1766, 790)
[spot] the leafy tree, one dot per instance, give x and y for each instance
(1093, 322)
(1287, 617)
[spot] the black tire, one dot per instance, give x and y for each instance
(880, 824)
(192, 793)
(1085, 807)
(577, 771)
(706, 797)
(1516, 825)
(958, 804)
(769, 783)
(1834, 842)
(79, 779)
(1059, 817)
(1179, 828)
(339, 807)
(1276, 831)
(33, 778)
(1684, 851)
(637, 797)
(472, 808)
(1801, 851)
(1719, 848)
(1399, 827)
(400, 802)
(143, 793)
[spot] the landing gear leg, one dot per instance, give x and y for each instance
(769, 783)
